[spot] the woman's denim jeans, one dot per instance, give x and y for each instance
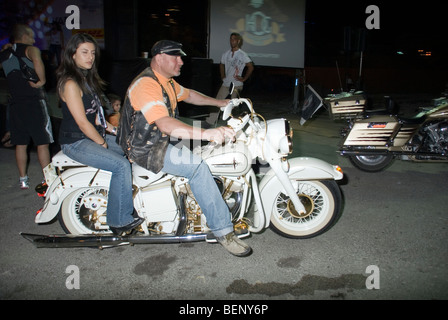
(120, 205)
(182, 162)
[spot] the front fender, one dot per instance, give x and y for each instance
(308, 169)
(301, 169)
(66, 183)
(313, 169)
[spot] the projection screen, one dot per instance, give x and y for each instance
(273, 30)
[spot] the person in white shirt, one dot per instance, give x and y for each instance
(233, 63)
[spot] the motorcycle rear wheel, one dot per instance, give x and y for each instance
(84, 211)
(323, 202)
(371, 163)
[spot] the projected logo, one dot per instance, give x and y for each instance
(259, 28)
(273, 30)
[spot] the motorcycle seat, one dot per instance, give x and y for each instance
(140, 175)
(62, 160)
(143, 177)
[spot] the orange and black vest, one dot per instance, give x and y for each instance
(143, 143)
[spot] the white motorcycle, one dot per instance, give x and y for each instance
(298, 198)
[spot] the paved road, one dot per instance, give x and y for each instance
(395, 221)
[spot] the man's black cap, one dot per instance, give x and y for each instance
(169, 47)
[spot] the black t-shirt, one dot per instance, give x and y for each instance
(69, 131)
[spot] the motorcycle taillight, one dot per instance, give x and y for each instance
(41, 189)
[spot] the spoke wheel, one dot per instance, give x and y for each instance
(84, 211)
(322, 201)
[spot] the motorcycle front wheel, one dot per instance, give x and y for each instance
(371, 163)
(84, 211)
(322, 201)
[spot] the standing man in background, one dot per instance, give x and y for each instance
(233, 63)
(29, 119)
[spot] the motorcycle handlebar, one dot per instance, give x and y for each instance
(227, 110)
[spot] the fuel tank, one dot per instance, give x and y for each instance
(230, 159)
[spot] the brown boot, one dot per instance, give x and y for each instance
(234, 245)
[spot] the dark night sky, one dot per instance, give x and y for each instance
(404, 27)
(403, 24)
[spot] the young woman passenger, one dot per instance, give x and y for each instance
(83, 129)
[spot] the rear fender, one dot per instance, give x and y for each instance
(65, 184)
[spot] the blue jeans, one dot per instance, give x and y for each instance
(182, 162)
(120, 205)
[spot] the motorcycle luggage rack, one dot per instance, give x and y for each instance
(347, 106)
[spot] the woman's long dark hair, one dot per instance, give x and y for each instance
(68, 69)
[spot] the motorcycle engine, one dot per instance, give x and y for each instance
(232, 193)
(435, 138)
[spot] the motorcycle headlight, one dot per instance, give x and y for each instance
(289, 133)
(280, 136)
(288, 130)
(285, 145)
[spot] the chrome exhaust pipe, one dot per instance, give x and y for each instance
(106, 241)
(102, 241)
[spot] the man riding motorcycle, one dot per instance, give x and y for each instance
(149, 120)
